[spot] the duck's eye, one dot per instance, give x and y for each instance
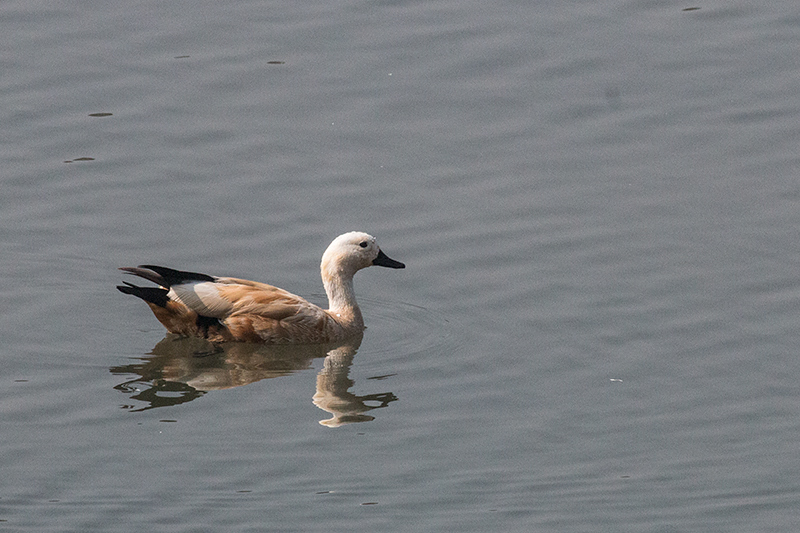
(363, 244)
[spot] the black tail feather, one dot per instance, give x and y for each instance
(174, 277)
(154, 295)
(146, 274)
(166, 277)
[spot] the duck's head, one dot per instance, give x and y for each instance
(351, 252)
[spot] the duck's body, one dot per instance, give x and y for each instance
(230, 309)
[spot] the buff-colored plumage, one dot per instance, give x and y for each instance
(230, 309)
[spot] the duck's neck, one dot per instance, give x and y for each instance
(342, 299)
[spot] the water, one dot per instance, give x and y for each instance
(597, 203)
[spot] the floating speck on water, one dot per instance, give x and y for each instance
(384, 376)
(100, 114)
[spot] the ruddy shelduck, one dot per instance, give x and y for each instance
(229, 309)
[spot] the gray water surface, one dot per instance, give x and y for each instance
(597, 203)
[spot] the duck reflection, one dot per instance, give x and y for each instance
(181, 369)
(332, 396)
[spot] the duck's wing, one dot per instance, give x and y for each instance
(229, 297)
(263, 313)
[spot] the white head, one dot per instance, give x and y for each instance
(345, 256)
(351, 252)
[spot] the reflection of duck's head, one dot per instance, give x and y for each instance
(333, 396)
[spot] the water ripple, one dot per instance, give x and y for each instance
(406, 329)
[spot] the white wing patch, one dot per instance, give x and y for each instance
(201, 297)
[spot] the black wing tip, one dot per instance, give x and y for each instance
(126, 289)
(166, 277)
(147, 274)
(174, 277)
(154, 295)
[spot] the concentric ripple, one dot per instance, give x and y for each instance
(400, 329)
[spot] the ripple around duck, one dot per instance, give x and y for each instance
(400, 329)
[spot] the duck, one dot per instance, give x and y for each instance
(223, 309)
